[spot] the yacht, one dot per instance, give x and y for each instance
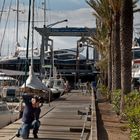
(65, 54)
(64, 60)
(136, 62)
(57, 86)
(18, 62)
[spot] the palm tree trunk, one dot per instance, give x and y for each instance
(126, 44)
(116, 83)
(110, 66)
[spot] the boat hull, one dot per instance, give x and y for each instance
(7, 116)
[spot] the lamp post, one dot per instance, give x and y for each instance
(51, 25)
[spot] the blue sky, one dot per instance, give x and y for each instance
(61, 4)
(67, 4)
(55, 4)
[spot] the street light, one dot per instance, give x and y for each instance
(51, 25)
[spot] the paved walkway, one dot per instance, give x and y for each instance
(63, 119)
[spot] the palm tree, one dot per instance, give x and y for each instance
(123, 9)
(106, 10)
(126, 44)
(103, 15)
(100, 42)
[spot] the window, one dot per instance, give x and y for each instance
(11, 92)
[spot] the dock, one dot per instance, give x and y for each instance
(71, 117)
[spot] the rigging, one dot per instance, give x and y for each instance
(2, 10)
(5, 27)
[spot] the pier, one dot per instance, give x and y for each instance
(71, 117)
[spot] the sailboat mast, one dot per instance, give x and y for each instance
(43, 44)
(32, 33)
(44, 12)
(17, 43)
(27, 48)
(17, 22)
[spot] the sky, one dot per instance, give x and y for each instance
(77, 12)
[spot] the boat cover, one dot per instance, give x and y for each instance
(34, 82)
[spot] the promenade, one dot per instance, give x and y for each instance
(62, 119)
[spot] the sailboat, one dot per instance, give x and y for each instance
(33, 83)
(55, 82)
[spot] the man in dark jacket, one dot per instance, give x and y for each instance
(30, 117)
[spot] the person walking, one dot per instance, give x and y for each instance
(88, 88)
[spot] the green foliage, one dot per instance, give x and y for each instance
(116, 97)
(103, 90)
(132, 112)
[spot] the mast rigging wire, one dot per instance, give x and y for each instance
(2, 10)
(5, 27)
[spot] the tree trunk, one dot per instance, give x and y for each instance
(109, 66)
(117, 54)
(126, 44)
